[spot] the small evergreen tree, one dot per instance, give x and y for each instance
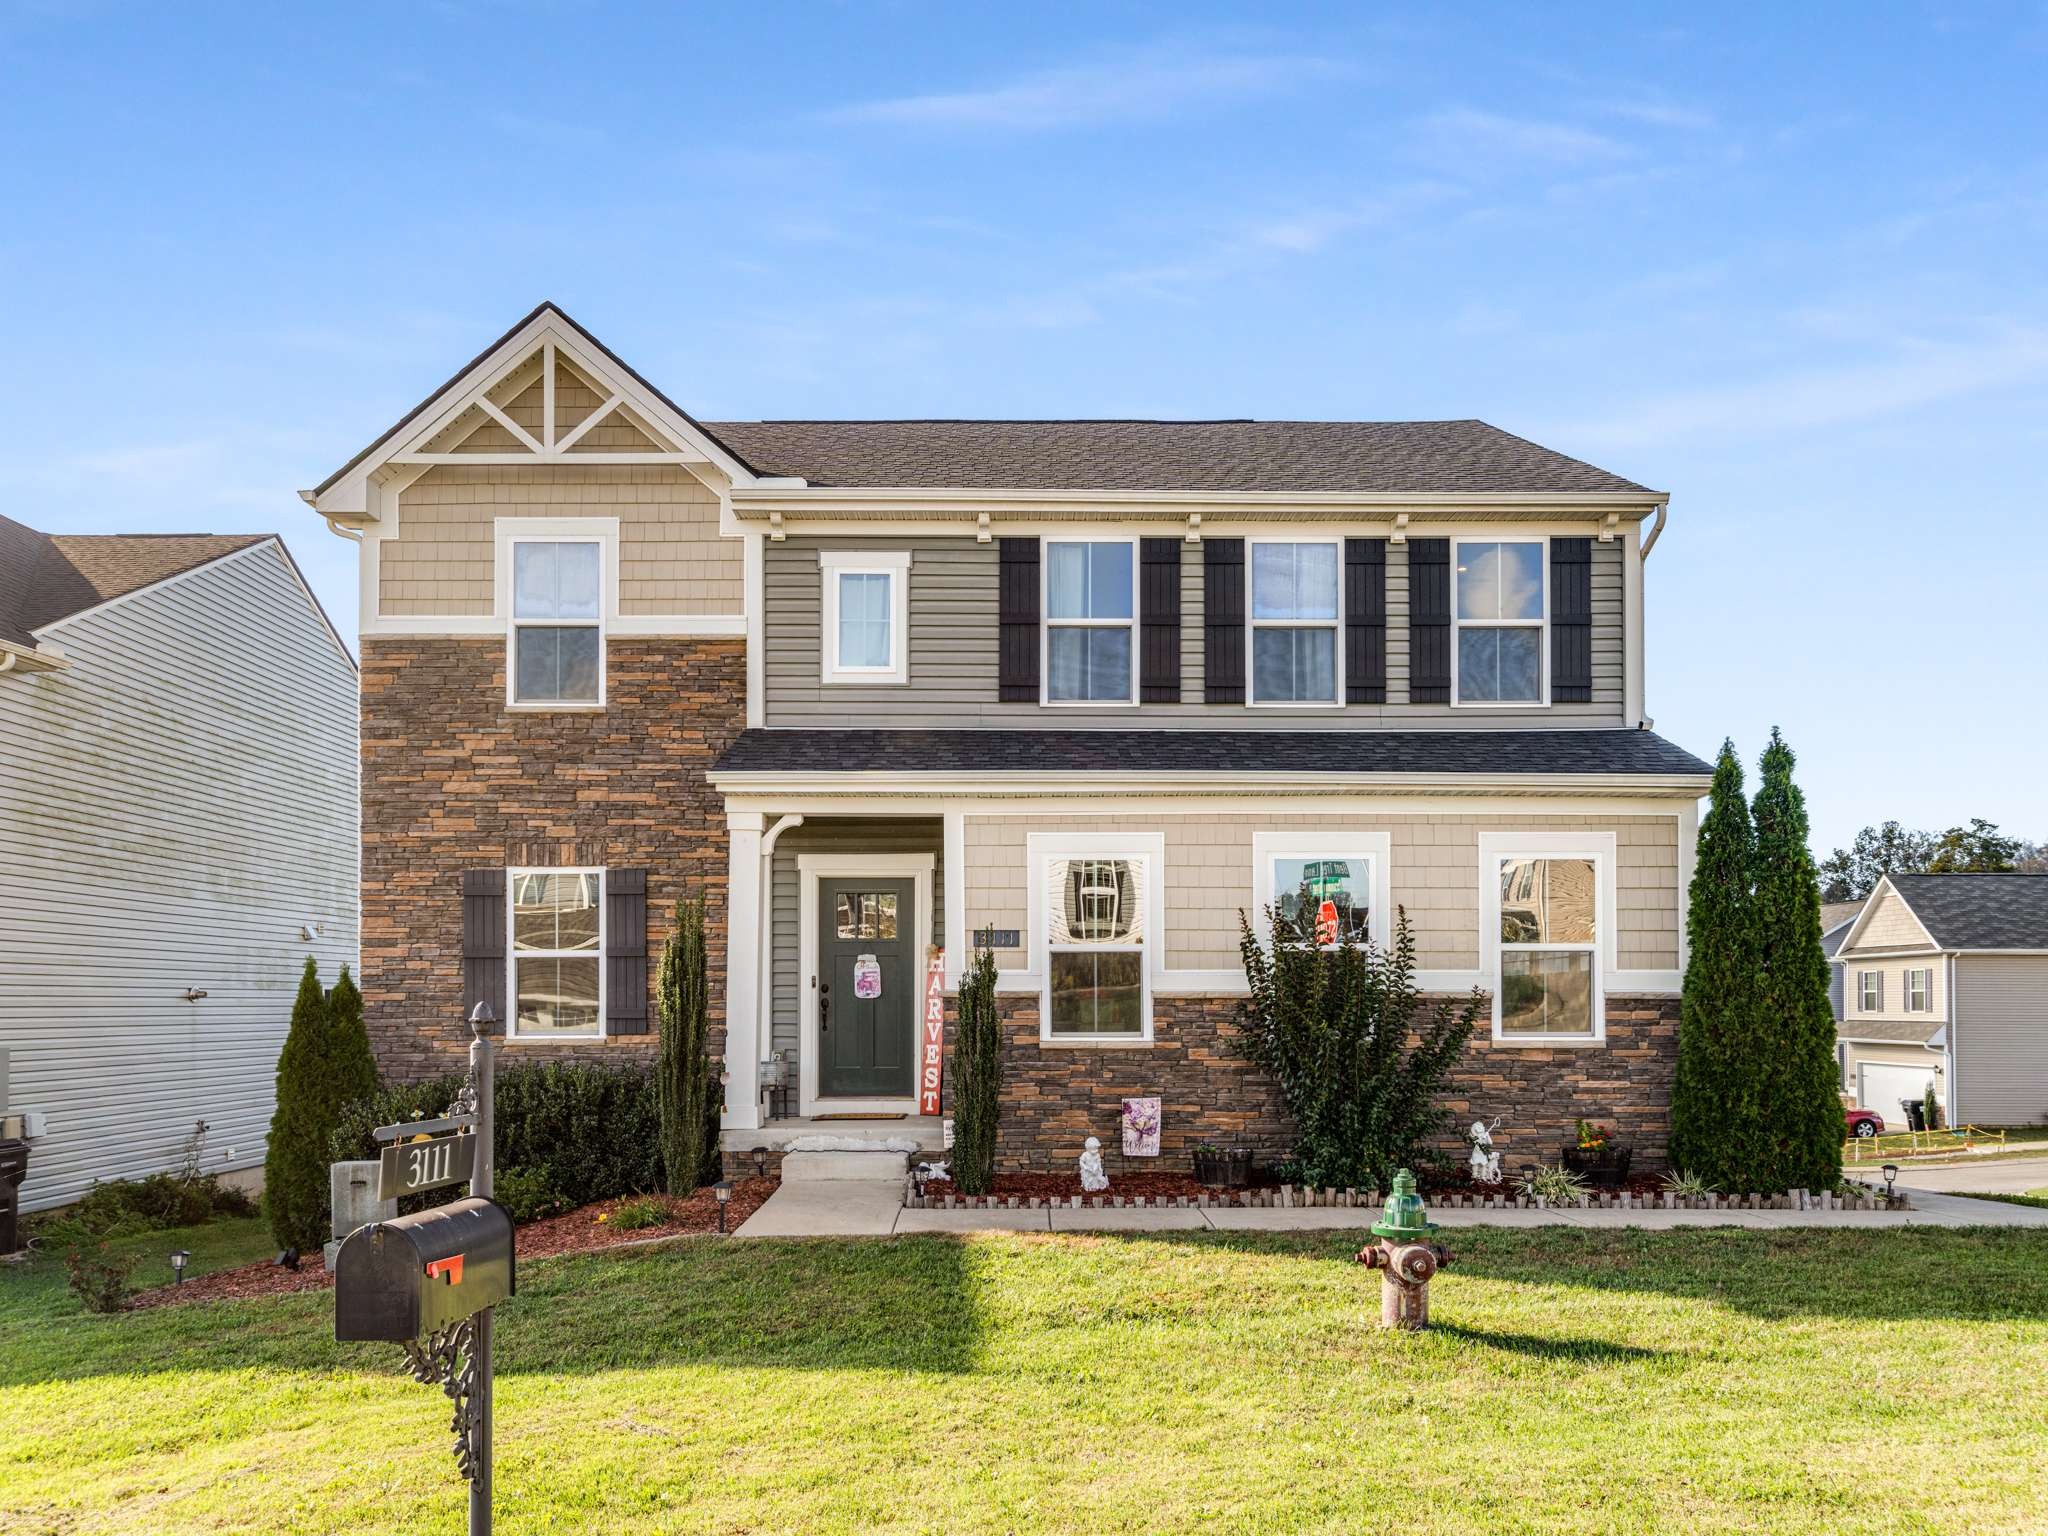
(977, 1077)
(682, 1072)
(309, 1104)
(1332, 1027)
(355, 1065)
(1714, 1104)
(1800, 1108)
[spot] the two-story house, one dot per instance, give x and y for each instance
(1079, 691)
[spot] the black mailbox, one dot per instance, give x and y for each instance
(402, 1279)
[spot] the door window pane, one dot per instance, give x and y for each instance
(865, 914)
(1301, 886)
(1546, 992)
(1098, 992)
(864, 617)
(1294, 665)
(555, 581)
(556, 996)
(1088, 663)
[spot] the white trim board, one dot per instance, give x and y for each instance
(917, 867)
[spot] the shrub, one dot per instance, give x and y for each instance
(1555, 1185)
(390, 1105)
(1687, 1186)
(159, 1201)
(319, 1070)
(527, 1194)
(99, 1277)
(977, 1078)
(355, 1068)
(1332, 1028)
(682, 1072)
(640, 1214)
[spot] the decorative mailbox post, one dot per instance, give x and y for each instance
(1406, 1255)
(429, 1281)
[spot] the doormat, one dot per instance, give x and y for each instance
(860, 1117)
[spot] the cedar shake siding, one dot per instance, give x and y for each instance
(453, 781)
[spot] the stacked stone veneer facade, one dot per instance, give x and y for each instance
(453, 780)
(1056, 1096)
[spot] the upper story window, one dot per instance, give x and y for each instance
(1499, 651)
(1870, 991)
(1920, 991)
(1091, 608)
(1293, 630)
(557, 622)
(557, 952)
(866, 617)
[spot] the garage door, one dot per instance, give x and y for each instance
(1880, 1087)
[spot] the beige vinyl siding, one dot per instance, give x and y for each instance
(954, 639)
(1892, 925)
(174, 806)
(2001, 1042)
(1894, 1008)
(672, 558)
(1434, 866)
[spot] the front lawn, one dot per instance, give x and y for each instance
(1812, 1381)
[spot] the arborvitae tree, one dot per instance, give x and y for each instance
(682, 1071)
(1714, 1104)
(308, 1109)
(355, 1065)
(1796, 1068)
(977, 1077)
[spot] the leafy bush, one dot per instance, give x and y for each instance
(977, 1078)
(155, 1203)
(1332, 1028)
(392, 1104)
(682, 1070)
(99, 1277)
(638, 1215)
(1556, 1185)
(527, 1194)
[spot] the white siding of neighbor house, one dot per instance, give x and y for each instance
(174, 806)
(2001, 1044)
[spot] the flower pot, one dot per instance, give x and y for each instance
(1602, 1167)
(1226, 1168)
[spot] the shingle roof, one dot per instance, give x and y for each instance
(1979, 911)
(1879, 1029)
(1397, 457)
(1205, 751)
(46, 577)
(1835, 918)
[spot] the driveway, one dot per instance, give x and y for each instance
(2013, 1178)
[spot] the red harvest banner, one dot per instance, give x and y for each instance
(932, 1036)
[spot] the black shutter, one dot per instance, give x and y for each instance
(1223, 621)
(1429, 621)
(1159, 621)
(1571, 621)
(625, 951)
(1365, 621)
(1017, 681)
(483, 941)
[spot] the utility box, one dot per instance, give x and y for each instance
(402, 1279)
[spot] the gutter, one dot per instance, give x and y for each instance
(898, 781)
(1656, 531)
(759, 501)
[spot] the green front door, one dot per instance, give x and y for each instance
(867, 989)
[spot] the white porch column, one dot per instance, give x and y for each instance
(743, 978)
(956, 898)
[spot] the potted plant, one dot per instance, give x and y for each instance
(1223, 1167)
(1597, 1158)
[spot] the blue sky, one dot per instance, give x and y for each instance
(1787, 263)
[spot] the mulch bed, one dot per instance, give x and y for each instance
(1062, 1186)
(578, 1231)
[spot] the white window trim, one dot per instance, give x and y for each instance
(1253, 624)
(811, 868)
(1597, 846)
(514, 954)
(835, 563)
(601, 531)
(1926, 1003)
(1146, 848)
(1373, 847)
(1868, 982)
(1047, 623)
(1542, 626)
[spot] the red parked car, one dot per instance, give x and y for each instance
(1863, 1123)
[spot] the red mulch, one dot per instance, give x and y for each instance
(578, 1231)
(1060, 1186)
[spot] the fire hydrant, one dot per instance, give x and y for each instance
(1406, 1255)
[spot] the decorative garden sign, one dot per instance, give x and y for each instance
(867, 978)
(1141, 1127)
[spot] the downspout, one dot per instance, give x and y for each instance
(764, 994)
(7, 662)
(1954, 1094)
(1656, 531)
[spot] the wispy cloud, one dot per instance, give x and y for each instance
(1465, 135)
(1152, 82)
(1656, 114)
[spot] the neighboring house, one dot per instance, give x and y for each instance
(1080, 691)
(177, 809)
(1835, 918)
(1946, 982)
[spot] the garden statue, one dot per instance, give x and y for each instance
(1485, 1157)
(1093, 1179)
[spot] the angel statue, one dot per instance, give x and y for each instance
(1485, 1160)
(1093, 1179)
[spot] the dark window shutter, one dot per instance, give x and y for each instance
(1365, 621)
(1429, 621)
(1571, 621)
(483, 941)
(1017, 681)
(1223, 621)
(625, 951)
(1159, 621)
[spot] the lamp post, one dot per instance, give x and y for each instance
(723, 1190)
(1891, 1177)
(760, 1162)
(179, 1259)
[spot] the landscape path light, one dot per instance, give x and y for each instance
(179, 1258)
(1891, 1177)
(723, 1190)
(760, 1162)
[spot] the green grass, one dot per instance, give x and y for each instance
(2034, 1197)
(1612, 1382)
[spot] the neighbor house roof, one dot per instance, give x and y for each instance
(1886, 1030)
(910, 753)
(1394, 457)
(1835, 918)
(45, 577)
(1979, 911)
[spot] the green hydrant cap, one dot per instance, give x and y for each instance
(1403, 1220)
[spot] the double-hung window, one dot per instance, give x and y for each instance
(1870, 991)
(557, 622)
(557, 952)
(1920, 991)
(1091, 607)
(1328, 886)
(1096, 937)
(1293, 630)
(1548, 945)
(1500, 617)
(865, 617)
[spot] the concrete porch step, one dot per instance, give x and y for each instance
(871, 1165)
